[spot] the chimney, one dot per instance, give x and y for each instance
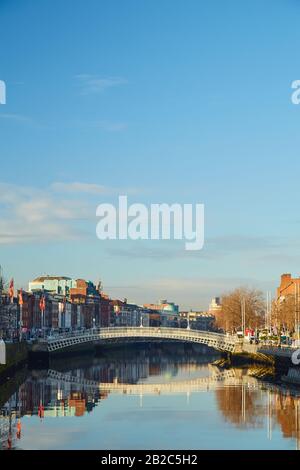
(285, 279)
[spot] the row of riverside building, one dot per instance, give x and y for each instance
(67, 304)
(75, 303)
(72, 304)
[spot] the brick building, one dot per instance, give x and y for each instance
(106, 310)
(288, 286)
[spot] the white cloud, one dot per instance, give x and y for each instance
(17, 118)
(21, 119)
(99, 125)
(188, 292)
(109, 126)
(29, 214)
(214, 248)
(91, 84)
(54, 213)
(19, 231)
(77, 187)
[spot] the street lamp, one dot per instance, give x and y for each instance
(188, 321)
(243, 312)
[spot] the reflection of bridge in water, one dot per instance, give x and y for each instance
(238, 394)
(213, 382)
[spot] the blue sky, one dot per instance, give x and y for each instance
(166, 101)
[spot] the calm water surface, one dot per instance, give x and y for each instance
(163, 397)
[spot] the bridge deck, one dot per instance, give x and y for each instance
(215, 340)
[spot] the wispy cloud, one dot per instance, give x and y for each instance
(214, 248)
(78, 187)
(102, 125)
(24, 120)
(30, 214)
(17, 118)
(19, 231)
(190, 292)
(109, 126)
(61, 211)
(91, 84)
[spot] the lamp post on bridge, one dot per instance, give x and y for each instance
(188, 321)
(20, 297)
(42, 306)
(243, 312)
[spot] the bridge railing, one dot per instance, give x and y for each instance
(143, 331)
(72, 334)
(275, 351)
(157, 331)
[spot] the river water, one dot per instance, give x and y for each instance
(151, 397)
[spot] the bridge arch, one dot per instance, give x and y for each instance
(142, 334)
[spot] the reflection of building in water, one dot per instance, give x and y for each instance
(239, 406)
(54, 398)
(10, 423)
(243, 400)
(64, 398)
(287, 411)
(78, 403)
(128, 372)
(244, 407)
(75, 397)
(8, 432)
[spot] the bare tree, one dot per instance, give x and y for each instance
(283, 313)
(230, 317)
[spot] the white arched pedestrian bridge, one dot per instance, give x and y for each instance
(217, 341)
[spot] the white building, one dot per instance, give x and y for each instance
(54, 284)
(215, 306)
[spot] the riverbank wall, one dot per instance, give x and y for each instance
(8, 386)
(39, 358)
(16, 357)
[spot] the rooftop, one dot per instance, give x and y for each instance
(51, 278)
